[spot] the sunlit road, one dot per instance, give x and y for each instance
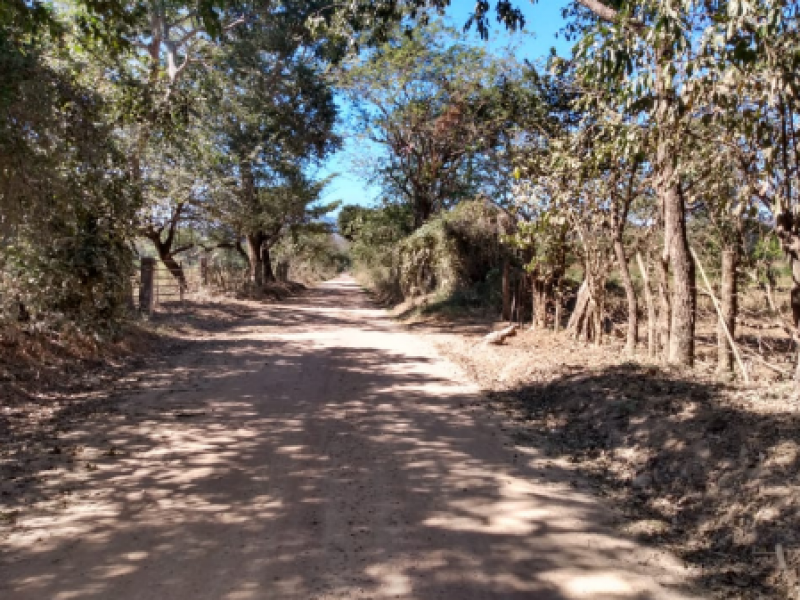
(319, 451)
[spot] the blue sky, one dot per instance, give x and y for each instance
(542, 21)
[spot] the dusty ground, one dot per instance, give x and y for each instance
(309, 449)
(707, 469)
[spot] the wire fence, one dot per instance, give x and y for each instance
(185, 281)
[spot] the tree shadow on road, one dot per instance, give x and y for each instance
(710, 470)
(379, 481)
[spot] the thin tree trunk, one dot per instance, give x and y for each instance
(728, 305)
(266, 264)
(651, 307)
(597, 330)
(558, 303)
(794, 300)
(664, 308)
(633, 310)
(506, 314)
(769, 286)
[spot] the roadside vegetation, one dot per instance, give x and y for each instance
(633, 208)
(636, 204)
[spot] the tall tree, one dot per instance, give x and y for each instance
(272, 115)
(442, 114)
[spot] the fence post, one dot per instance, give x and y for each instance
(146, 296)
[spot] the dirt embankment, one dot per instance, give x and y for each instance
(710, 470)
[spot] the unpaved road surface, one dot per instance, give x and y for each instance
(317, 451)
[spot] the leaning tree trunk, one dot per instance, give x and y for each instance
(651, 307)
(174, 267)
(586, 321)
(165, 254)
(728, 306)
(633, 310)
(575, 324)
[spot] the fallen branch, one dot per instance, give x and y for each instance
(498, 337)
(763, 361)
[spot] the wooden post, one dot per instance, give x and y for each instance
(146, 296)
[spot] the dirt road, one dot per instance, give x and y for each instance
(317, 451)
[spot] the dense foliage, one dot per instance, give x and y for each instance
(191, 125)
(667, 141)
(670, 131)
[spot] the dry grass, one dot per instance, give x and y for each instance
(706, 467)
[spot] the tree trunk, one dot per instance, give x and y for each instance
(540, 297)
(174, 267)
(506, 314)
(557, 317)
(597, 305)
(423, 209)
(728, 306)
(586, 321)
(664, 308)
(266, 264)
(676, 244)
(794, 299)
(575, 323)
(164, 251)
(633, 314)
(255, 241)
(651, 307)
(684, 291)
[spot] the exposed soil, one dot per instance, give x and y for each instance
(707, 469)
(51, 381)
(304, 449)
